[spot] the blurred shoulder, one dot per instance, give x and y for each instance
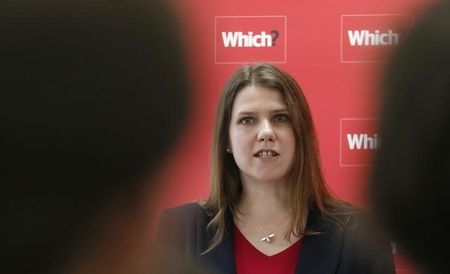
(184, 213)
(177, 222)
(185, 208)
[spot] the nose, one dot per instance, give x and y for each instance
(266, 132)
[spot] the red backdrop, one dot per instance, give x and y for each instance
(334, 49)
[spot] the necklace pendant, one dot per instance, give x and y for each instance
(268, 238)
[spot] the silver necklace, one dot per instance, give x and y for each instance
(269, 236)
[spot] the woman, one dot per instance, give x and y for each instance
(268, 210)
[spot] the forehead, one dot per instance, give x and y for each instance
(254, 98)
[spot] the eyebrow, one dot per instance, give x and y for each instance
(242, 113)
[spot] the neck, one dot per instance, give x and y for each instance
(264, 199)
(264, 213)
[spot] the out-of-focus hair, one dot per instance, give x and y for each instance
(93, 93)
(411, 180)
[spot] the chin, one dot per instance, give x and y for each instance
(270, 178)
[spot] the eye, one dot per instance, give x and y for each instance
(283, 117)
(246, 121)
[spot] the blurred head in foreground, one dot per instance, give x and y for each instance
(92, 97)
(411, 183)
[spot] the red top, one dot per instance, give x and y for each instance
(250, 260)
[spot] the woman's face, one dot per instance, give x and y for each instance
(261, 135)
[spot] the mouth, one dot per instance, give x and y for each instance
(266, 153)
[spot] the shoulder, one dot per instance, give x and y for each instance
(183, 215)
(363, 250)
(181, 227)
(190, 208)
(362, 242)
(342, 217)
(346, 214)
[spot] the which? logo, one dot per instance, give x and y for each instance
(239, 39)
(366, 38)
(358, 141)
(247, 39)
(362, 141)
(370, 37)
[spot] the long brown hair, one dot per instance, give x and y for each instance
(307, 186)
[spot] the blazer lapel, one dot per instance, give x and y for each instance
(320, 253)
(221, 258)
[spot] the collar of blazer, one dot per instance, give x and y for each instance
(320, 253)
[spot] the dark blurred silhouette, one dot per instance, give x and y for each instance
(410, 187)
(93, 94)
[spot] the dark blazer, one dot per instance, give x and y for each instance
(334, 250)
